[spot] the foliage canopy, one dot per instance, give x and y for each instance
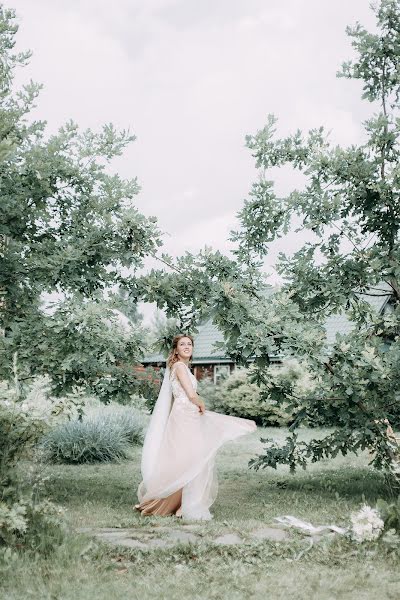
(350, 201)
(68, 227)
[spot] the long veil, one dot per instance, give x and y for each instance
(156, 428)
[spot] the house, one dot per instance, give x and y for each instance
(339, 323)
(208, 362)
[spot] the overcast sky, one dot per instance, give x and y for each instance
(191, 78)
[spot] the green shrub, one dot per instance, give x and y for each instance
(104, 434)
(31, 524)
(19, 432)
(26, 521)
(239, 397)
(210, 392)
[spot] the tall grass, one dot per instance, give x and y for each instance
(104, 434)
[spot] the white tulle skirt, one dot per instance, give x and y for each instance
(184, 481)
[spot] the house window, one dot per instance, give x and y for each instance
(221, 372)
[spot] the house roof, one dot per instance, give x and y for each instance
(203, 350)
(208, 333)
(339, 323)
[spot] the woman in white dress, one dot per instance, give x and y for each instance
(178, 457)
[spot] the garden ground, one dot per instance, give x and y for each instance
(97, 496)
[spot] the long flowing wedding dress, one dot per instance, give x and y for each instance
(182, 479)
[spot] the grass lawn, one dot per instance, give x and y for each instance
(103, 496)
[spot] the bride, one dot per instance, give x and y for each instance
(178, 457)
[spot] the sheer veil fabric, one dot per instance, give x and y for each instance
(156, 428)
(179, 450)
